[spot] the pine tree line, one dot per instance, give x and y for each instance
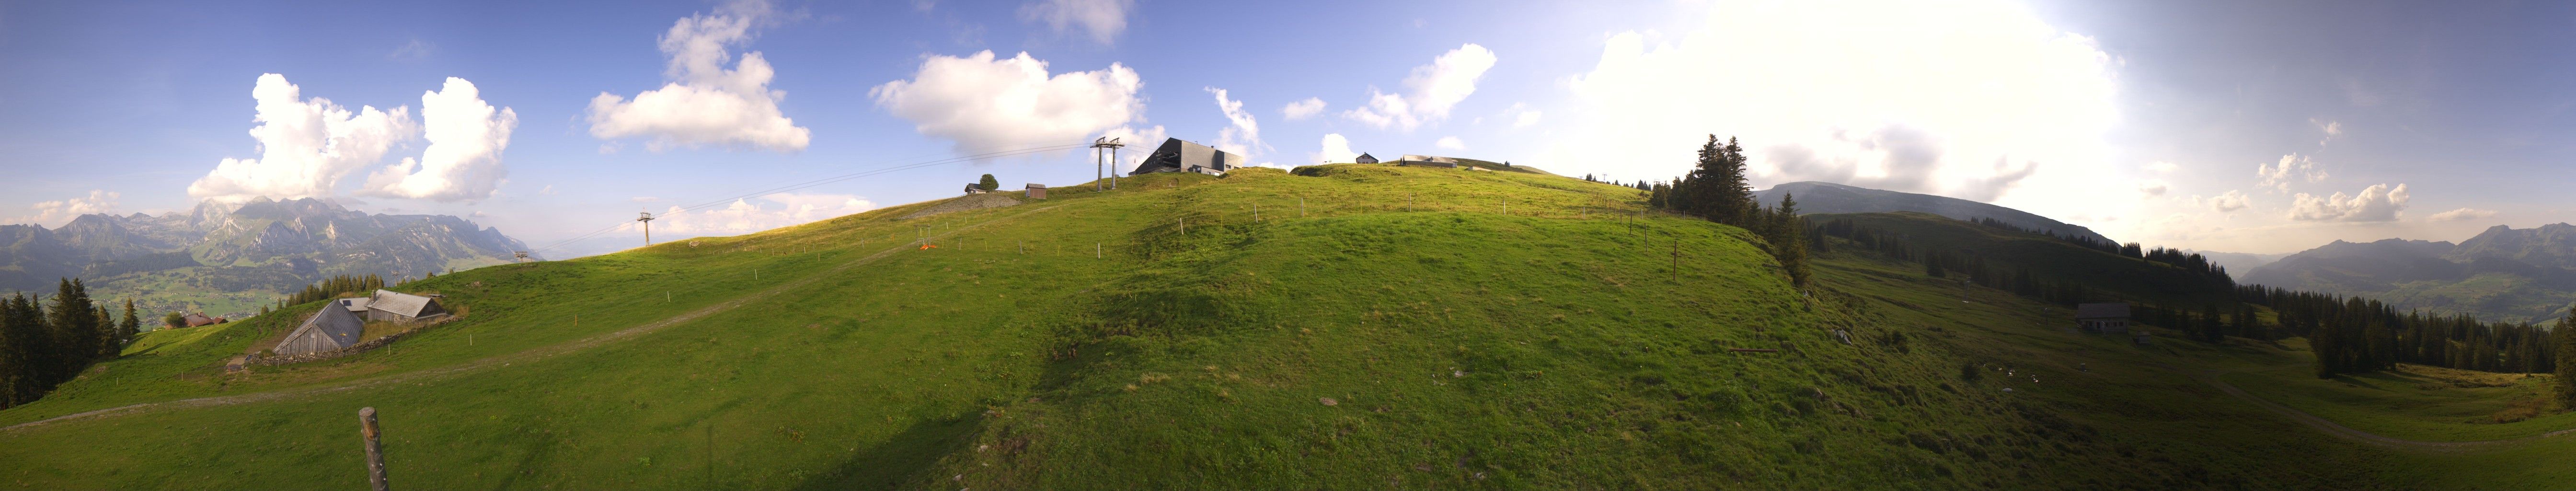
(2349, 335)
(2357, 335)
(333, 287)
(1945, 264)
(44, 343)
(2193, 262)
(1716, 189)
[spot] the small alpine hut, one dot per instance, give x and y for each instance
(1035, 191)
(391, 306)
(195, 319)
(2103, 318)
(1427, 161)
(973, 188)
(1365, 159)
(1180, 156)
(331, 328)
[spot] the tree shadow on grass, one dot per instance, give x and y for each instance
(901, 460)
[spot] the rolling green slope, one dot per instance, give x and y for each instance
(1345, 326)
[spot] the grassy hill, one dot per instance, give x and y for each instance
(2047, 258)
(1345, 326)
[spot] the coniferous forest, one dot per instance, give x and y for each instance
(48, 342)
(2348, 334)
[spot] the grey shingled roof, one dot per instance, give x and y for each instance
(397, 303)
(331, 328)
(356, 304)
(2114, 310)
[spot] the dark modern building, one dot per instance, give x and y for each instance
(1180, 156)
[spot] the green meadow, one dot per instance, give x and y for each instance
(1340, 326)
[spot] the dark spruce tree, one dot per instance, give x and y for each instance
(2564, 337)
(1789, 239)
(131, 327)
(14, 373)
(74, 325)
(988, 184)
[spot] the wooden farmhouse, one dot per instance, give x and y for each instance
(1035, 191)
(1365, 159)
(974, 188)
(2103, 318)
(331, 328)
(391, 306)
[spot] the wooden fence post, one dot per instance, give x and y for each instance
(375, 449)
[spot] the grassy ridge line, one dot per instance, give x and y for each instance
(533, 354)
(2347, 432)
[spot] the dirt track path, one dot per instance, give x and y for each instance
(519, 357)
(2338, 429)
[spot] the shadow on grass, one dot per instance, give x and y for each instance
(901, 460)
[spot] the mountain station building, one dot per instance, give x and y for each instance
(1180, 156)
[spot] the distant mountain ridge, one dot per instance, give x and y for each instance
(2239, 262)
(220, 258)
(2502, 274)
(1826, 197)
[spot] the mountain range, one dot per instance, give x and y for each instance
(2502, 274)
(230, 259)
(1826, 197)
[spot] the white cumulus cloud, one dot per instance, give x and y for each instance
(744, 216)
(1978, 99)
(1335, 149)
(1450, 143)
(2292, 167)
(1101, 19)
(1430, 91)
(463, 161)
(2377, 203)
(1523, 116)
(2458, 215)
(57, 212)
(1242, 134)
(2153, 187)
(704, 103)
(306, 146)
(984, 104)
(1303, 109)
(2230, 201)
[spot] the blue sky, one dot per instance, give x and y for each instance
(2235, 126)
